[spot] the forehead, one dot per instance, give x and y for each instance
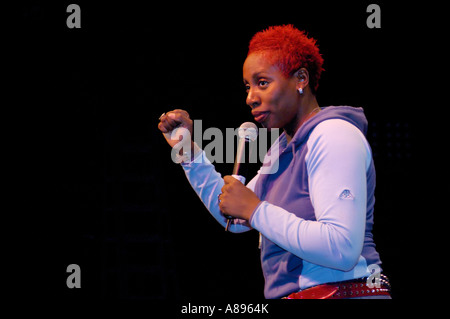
(257, 63)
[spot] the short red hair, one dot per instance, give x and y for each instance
(290, 49)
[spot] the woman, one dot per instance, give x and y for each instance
(315, 211)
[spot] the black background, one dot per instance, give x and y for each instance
(101, 189)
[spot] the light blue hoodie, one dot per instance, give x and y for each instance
(332, 159)
(316, 210)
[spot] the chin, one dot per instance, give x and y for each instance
(270, 125)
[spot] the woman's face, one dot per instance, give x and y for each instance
(273, 97)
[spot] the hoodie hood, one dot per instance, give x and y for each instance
(354, 115)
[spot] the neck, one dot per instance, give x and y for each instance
(308, 107)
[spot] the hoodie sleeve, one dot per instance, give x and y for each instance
(337, 160)
(207, 183)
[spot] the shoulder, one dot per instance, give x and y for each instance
(339, 139)
(336, 129)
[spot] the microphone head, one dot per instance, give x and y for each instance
(249, 131)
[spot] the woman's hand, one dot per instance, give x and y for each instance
(237, 200)
(174, 119)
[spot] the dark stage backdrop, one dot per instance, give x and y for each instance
(105, 194)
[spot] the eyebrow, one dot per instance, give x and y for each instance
(258, 74)
(254, 76)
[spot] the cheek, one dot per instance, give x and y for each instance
(283, 106)
(282, 100)
(275, 99)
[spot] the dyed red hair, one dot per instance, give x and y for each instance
(290, 49)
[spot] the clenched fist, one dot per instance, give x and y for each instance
(177, 128)
(174, 119)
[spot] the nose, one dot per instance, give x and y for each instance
(253, 99)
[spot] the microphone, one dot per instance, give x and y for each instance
(247, 132)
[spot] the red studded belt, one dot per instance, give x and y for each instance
(345, 289)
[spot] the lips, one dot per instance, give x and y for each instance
(260, 116)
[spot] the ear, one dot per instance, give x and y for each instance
(302, 76)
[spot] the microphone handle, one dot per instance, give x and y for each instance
(239, 154)
(229, 218)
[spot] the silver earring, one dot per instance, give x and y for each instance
(300, 90)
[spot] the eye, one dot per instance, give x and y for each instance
(247, 88)
(263, 83)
